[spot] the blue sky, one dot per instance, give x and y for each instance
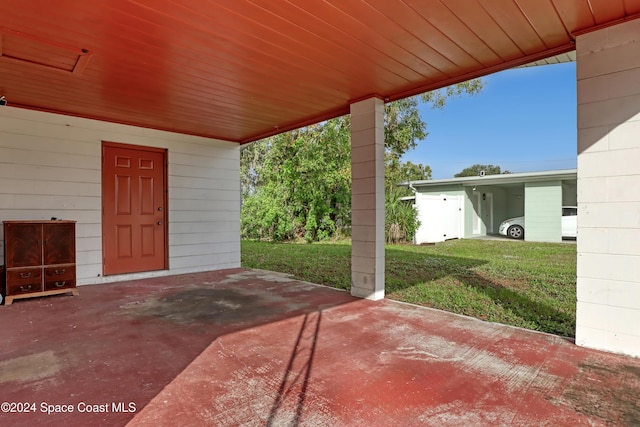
(524, 120)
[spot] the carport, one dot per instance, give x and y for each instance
(475, 206)
(196, 80)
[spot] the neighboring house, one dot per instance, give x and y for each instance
(475, 206)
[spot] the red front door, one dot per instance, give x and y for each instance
(133, 209)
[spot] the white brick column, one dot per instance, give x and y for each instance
(608, 73)
(367, 199)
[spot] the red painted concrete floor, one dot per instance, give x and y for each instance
(252, 348)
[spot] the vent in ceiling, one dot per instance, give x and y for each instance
(27, 49)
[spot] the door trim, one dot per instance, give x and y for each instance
(477, 215)
(165, 195)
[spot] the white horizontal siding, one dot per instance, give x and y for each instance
(201, 216)
(543, 211)
(206, 205)
(178, 182)
(199, 237)
(42, 187)
(204, 194)
(200, 227)
(50, 165)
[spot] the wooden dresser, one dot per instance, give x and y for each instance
(40, 258)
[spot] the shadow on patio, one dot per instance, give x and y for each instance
(248, 347)
(122, 343)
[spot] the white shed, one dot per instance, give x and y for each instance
(441, 217)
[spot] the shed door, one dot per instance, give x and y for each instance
(440, 218)
(133, 209)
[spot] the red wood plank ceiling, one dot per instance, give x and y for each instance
(241, 70)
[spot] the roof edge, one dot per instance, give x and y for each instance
(498, 179)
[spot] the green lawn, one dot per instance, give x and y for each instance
(531, 285)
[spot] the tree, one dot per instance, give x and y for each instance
(404, 128)
(401, 218)
(406, 171)
(478, 170)
(298, 184)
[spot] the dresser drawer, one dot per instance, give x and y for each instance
(24, 281)
(59, 284)
(59, 277)
(60, 273)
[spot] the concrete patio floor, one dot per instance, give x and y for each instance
(254, 348)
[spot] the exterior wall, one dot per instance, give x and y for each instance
(543, 211)
(469, 209)
(475, 212)
(608, 69)
(454, 190)
(569, 193)
(515, 204)
(50, 165)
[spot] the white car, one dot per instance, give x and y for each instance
(514, 227)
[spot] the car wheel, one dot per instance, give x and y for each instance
(515, 232)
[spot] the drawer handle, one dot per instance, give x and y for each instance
(60, 285)
(59, 272)
(25, 288)
(25, 276)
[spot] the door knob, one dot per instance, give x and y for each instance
(159, 222)
(160, 208)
